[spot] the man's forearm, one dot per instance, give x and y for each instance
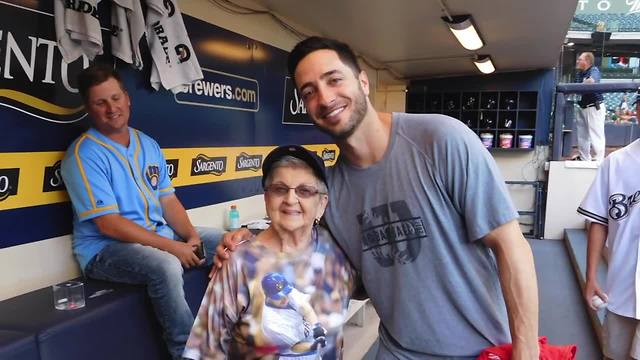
(596, 240)
(519, 287)
(120, 228)
(176, 216)
(308, 313)
(520, 290)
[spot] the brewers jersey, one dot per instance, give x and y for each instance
(127, 29)
(77, 29)
(287, 325)
(175, 65)
(613, 201)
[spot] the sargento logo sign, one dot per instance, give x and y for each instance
(328, 155)
(203, 165)
(172, 168)
(33, 77)
(222, 90)
(52, 178)
(8, 182)
(245, 161)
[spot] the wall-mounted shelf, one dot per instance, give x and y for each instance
(490, 112)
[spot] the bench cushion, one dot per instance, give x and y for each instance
(117, 325)
(17, 345)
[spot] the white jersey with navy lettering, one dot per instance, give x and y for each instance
(612, 200)
(77, 29)
(127, 29)
(287, 325)
(175, 65)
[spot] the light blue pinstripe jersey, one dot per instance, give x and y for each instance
(104, 177)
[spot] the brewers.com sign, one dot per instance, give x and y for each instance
(33, 78)
(222, 90)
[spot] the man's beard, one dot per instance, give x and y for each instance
(356, 117)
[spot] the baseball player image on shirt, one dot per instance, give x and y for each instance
(289, 321)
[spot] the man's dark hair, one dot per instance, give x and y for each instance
(94, 75)
(309, 45)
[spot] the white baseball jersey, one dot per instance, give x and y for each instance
(613, 201)
(286, 326)
(127, 25)
(77, 29)
(175, 65)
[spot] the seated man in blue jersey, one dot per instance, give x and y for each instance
(128, 225)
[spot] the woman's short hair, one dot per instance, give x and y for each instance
(293, 162)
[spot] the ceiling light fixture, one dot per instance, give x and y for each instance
(463, 29)
(484, 64)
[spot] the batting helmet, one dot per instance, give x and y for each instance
(275, 286)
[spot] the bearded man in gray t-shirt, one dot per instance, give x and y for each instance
(421, 211)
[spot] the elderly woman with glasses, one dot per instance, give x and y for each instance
(285, 293)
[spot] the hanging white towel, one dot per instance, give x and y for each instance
(77, 28)
(127, 25)
(175, 65)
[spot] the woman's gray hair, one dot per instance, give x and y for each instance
(294, 162)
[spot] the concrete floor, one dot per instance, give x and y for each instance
(563, 315)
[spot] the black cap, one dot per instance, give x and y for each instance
(309, 157)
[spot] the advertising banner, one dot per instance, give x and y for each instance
(214, 135)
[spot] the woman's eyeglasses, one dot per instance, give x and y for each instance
(302, 191)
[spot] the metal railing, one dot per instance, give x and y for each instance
(537, 226)
(563, 118)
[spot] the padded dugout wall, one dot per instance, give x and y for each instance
(245, 106)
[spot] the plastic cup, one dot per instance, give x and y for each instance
(487, 139)
(68, 295)
(506, 141)
(524, 141)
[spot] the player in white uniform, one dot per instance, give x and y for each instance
(612, 205)
(288, 318)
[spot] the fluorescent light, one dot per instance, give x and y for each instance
(484, 64)
(462, 28)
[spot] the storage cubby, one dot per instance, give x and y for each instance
(527, 119)
(487, 112)
(488, 120)
(434, 103)
(489, 100)
(470, 118)
(470, 101)
(507, 119)
(451, 102)
(528, 100)
(509, 100)
(508, 142)
(521, 134)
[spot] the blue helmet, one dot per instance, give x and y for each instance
(275, 286)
